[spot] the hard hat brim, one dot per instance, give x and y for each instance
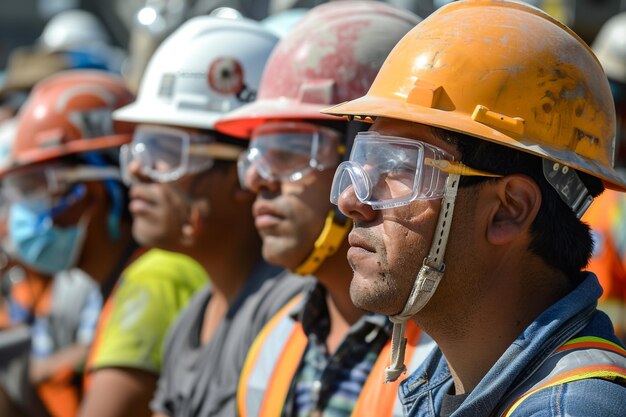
(136, 113)
(370, 106)
(37, 156)
(241, 122)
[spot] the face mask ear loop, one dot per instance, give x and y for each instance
(426, 282)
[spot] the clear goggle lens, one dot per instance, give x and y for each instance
(287, 151)
(388, 172)
(166, 154)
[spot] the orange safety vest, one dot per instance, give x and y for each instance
(275, 355)
(580, 358)
(103, 320)
(606, 216)
(59, 394)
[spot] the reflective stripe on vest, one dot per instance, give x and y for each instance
(275, 356)
(601, 358)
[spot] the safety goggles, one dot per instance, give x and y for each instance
(49, 182)
(166, 154)
(287, 151)
(387, 171)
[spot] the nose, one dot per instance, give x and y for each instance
(133, 170)
(255, 182)
(352, 207)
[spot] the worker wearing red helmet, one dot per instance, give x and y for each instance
(321, 355)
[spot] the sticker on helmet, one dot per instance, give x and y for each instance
(226, 76)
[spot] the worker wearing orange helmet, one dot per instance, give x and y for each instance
(64, 210)
(493, 130)
(67, 209)
(320, 355)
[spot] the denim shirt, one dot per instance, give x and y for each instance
(574, 315)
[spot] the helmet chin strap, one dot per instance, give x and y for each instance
(336, 227)
(426, 281)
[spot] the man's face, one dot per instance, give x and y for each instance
(166, 193)
(289, 214)
(161, 210)
(388, 246)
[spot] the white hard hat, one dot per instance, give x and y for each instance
(73, 29)
(207, 67)
(610, 47)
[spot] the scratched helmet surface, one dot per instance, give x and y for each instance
(70, 113)
(504, 72)
(330, 56)
(208, 66)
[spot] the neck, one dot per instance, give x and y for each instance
(229, 261)
(476, 330)
(335, 274)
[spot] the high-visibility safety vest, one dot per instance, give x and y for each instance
(275, 356)
(607, 218)
(580, 358)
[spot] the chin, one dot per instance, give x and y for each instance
(146, 236)
(374, 296)
(279, 252)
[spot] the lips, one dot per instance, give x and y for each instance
(140, 200)
(359, 241)
(265, 215)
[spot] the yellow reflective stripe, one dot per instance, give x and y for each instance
(596, 340)
(603, 371)
(607, 372)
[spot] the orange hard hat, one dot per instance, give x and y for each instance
(330, 56)
(504, 72)
(70, 113)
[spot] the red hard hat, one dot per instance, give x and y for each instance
(331, 56)
(69, 113)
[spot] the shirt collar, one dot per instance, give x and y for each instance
(312, 312)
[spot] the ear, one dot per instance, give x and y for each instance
(198, 213)
(237, 194)
(517, 199)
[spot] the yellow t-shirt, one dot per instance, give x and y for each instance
(150, 294)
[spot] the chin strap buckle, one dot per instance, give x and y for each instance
(336, 227)
(568, 186)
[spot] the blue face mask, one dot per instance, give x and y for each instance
(38, 242)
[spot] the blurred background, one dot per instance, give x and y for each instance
(22, 22)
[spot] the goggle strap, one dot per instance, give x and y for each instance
(88, 173)
(427, 279)
(221, 151)
(457, 168)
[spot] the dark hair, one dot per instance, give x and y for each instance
(558, 236)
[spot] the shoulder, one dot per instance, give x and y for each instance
(167, 278)
(165, 267)
(278, 291)
(588, 397)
